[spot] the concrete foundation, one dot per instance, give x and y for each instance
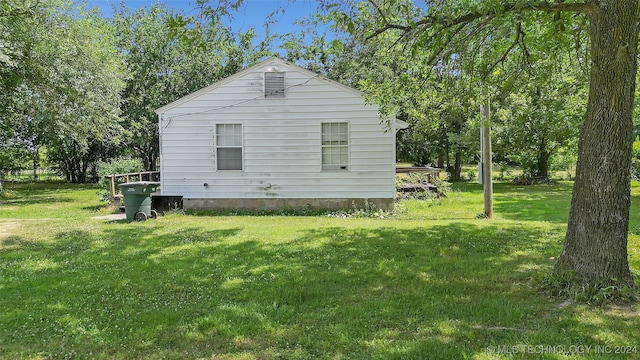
(278, 204)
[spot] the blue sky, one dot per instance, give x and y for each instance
(253, 13)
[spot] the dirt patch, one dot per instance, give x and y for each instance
(111, 217)
(624, 311)
(7, 227)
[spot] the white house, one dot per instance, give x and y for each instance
(276, 136)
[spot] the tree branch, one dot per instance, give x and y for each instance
(437, 53)
(379, 11)
(516, 41)
(432, 21)
(585, 8)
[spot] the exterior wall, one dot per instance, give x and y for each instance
(281, 142)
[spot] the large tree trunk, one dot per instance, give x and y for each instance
(150, 161)
(542, 166)
(457, 166)
(35, 158)
(596, 241)
(450, 168)
(441, 160)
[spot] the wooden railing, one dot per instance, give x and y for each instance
(139, 176)
(432, 173)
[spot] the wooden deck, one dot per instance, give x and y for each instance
(429, 185)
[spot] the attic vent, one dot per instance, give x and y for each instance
(274, 84)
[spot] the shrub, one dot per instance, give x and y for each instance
(442, 187)
(504, 170)
(6, 193)
(115, 166)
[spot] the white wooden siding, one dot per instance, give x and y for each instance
(282, 143)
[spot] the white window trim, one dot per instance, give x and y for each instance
(229, 147)
(336, 168)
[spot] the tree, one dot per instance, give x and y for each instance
(439, 108)
(90, 71)
(19, 136)
(541, 115)
(63, 83)
(596, 241)
(165, 66)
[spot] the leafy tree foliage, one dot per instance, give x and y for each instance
(167, 62)
(541, 118)
(440, 98)
(17, 133)
(489, 32)
(541, 113)
(62, 91)
(118, 165)
(67, 75)
(441, 131)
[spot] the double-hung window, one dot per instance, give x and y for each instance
(335, 146)
(229, 146)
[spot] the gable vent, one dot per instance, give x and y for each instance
(274, 84)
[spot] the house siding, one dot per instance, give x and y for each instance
(281, 143)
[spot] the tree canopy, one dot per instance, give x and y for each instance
(489, 32)
(84, 88)
(61, 82)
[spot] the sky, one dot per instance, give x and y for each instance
(253, 13)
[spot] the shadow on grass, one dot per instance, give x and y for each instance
(153, 291)
(36, 200)
(533, 202)
(546, 203)
(96, 208)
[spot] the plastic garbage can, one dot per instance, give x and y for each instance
(137, 199)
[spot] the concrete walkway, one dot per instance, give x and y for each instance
(111, 217)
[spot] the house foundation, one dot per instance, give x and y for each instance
(279, 204)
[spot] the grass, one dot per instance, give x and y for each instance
(431, 282)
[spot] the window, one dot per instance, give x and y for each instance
(229, 146)
(335, 146)
(274, 84)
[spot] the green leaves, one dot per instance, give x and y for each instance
(63, 94)
(171, 55)
(432, 64)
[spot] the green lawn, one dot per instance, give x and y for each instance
(430, 282)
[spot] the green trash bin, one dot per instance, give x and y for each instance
(137, 199)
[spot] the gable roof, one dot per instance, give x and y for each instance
(273, 61)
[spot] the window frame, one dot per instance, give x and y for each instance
(344, 149)
(234, 144)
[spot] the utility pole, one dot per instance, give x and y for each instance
(485, 142)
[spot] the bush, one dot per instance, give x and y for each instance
(442, 187)
(6, 193)
(115, 166)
